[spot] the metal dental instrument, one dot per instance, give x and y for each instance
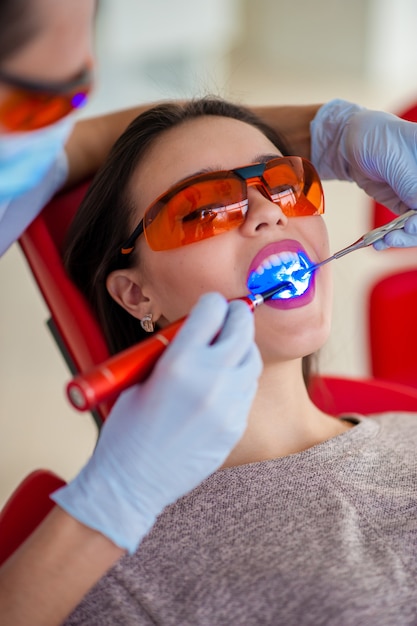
(366, 240)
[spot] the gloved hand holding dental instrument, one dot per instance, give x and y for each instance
(377, 238)
(378, 151)
(193, 411)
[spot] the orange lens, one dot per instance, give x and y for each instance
(295, 186)
(197, 211)
(26, 111)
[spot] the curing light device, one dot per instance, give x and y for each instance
(134, 364)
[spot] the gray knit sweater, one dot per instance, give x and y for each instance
(324, 537)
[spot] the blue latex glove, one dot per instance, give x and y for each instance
(165, 436)
(403, 238)
(376, 150)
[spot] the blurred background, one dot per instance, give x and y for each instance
(252, 52)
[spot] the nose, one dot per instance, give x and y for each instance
(262, 213)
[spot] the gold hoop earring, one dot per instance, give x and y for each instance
(147, 323)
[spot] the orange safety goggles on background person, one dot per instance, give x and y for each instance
(31, 105)
(209, 204)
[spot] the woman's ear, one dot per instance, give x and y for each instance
(124, 288)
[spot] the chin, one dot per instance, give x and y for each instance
(278, 346)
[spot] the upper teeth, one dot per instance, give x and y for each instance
(275, 260)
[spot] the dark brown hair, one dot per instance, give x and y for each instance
(102, 222)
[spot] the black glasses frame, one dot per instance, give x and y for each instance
(84, 79)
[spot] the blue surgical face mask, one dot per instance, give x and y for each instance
(26, 157)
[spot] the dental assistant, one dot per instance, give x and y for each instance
(46, 73)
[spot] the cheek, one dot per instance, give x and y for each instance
(324, 278)
(315, 232)
(177, 278)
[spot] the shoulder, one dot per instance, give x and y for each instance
(394, 442)
(396, 424)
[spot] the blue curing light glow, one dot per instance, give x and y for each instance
(283, 267)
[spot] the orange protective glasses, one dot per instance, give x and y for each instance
(211, 204)
(32, 105)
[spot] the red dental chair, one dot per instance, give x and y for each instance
(392, 327)
(337, 395)
(25, 509)
(71, 323)
(392, 305)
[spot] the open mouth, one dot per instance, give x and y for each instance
(282, 267)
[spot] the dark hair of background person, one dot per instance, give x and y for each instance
(19, 22)
(103, 220)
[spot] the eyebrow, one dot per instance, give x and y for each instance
(259, 158)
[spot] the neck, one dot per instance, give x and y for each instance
(283, 420)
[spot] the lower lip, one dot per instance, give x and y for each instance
(295, 301)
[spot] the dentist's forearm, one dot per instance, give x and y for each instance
(45, 579)
(92, 138)
(293, 122)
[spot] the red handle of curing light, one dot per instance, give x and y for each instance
(124, 369)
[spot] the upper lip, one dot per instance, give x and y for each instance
(276, 254)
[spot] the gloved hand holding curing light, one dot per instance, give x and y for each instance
(376, 150)
(165, 436)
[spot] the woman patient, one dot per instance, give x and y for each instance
(312, 519)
